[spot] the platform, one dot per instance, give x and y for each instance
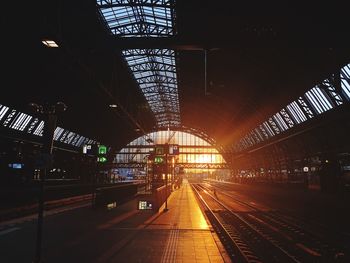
(180, 234)
(123, 234)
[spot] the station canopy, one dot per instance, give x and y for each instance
(244, 76)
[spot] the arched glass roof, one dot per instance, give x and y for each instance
(321, 98)
(27, 124)
(153, 69)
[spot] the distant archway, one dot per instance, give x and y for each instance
(196, 153)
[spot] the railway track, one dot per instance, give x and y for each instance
(265, 236)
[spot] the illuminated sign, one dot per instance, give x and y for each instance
(162, 149)
(173, 149)
(101, 154)
(102, 149)
(111, 205)
(145, 205)
(101, 159)
(158, 159)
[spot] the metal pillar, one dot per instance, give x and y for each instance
(166, 178)
(49, 129)
(50, 118)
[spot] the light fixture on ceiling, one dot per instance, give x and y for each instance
(113, 105)
(49, 43)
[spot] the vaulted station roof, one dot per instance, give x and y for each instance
(127, 67)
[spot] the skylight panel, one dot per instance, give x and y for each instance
(293, 114)
(303, 108)
(298, 110)
(9, 118)
(280, 122)
(345, 80)
(39, 130)
(346, 88)
(32, 125)
(326, 84)
(3, 110)
(80, 142)
(268, 129)
(150, 71)
(153, 69)
(75, 139)
(138, 18)
(274, 125)
(286, 117)
(20, 121)
(321, 99)
(64, 135)
(258, 133)
(57, 134)
(250, 139)
(314, 102)
(264, 132)
(25, 122)
(70, 137)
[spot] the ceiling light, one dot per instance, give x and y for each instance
(49, 43)
(113, 105)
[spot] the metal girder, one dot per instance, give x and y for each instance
(287, 118)
(33, 125)
(138, 18)
(154, 68)
(181, 165)
(9, 117)
(274, 125)
(264, 132)
(155, 72)
(203, 165)
(328, 87)
(305, 107)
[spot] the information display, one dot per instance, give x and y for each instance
(145, 205)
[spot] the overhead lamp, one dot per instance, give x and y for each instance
(49, 43)
(113, 105)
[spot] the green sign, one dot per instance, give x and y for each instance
(102, 149)
(101, 154)
(158, 159)
(101, 159)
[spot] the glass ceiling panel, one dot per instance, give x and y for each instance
(3, 110)
(345, 80)
(156, 77)
(153, 69)
(318, 101)
(315, 101)
(26, 123)
(130, 18)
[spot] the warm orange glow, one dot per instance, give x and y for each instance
(203, 158)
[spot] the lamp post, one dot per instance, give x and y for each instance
(166, 177)
(49, 113)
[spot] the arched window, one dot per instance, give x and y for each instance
(193, 149)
